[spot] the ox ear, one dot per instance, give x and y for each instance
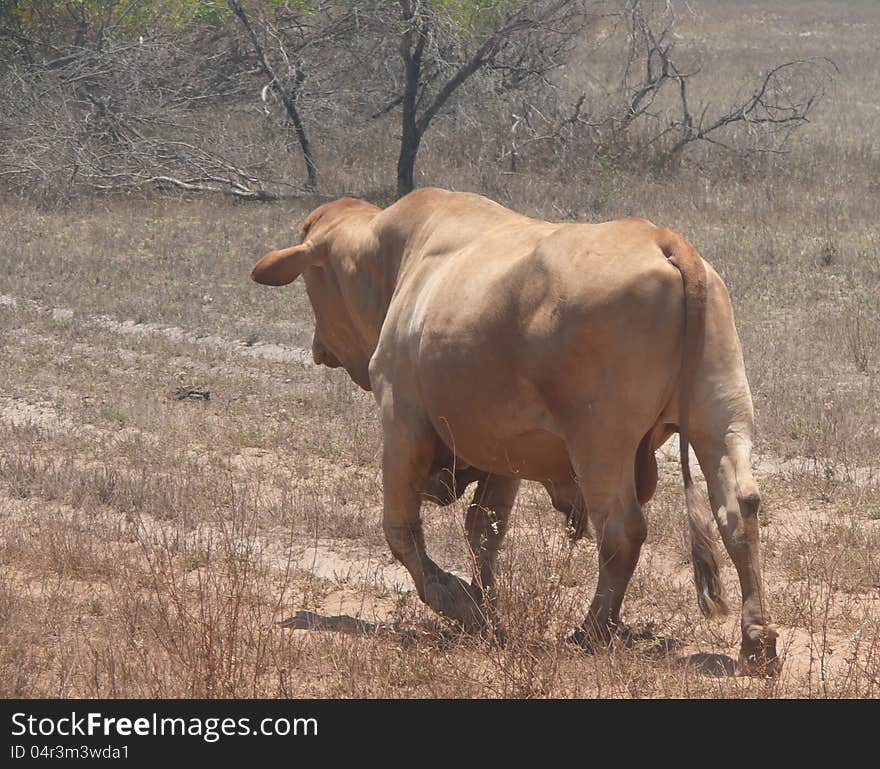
(278, 268)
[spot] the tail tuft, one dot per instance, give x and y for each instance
(704, 555)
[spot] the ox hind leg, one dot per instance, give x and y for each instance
(448, 483)
(604, 466)
(407, 455)
(734, 498)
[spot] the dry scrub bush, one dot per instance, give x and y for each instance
(220, 106)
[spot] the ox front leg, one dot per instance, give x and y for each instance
(406, 462)
(735, 501)
(486, 524)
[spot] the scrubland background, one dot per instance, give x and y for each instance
(151, 545)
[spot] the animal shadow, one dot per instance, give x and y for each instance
(348, 625)
(645, 640)
(648, 642)
(708, 664)
(651, 644)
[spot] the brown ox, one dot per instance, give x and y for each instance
(500, 348)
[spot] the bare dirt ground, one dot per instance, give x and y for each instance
(231, 546)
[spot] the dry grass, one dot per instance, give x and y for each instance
(149, 546)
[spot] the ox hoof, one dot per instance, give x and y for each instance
(456, 600)
(500, 635)
(757, 656)
(591, 639)
(493, 630)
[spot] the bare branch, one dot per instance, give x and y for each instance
(288, 97)
(774, 106)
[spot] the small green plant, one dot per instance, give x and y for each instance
(118, 416)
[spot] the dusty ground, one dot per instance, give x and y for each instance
(152, 546)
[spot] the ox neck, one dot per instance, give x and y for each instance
(366, 284)
(369, 280)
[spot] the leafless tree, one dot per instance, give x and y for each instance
(654, 94)
(286, 69)
(441, 49)
(777, 103)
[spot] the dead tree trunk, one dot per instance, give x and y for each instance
(287, 95)
(412, 47)
(555, 22)
(406, 162)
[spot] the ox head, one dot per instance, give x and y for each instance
(339, 261)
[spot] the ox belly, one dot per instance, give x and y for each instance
(535, 455)
(498, 427)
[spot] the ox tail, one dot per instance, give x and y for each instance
(704, 554)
